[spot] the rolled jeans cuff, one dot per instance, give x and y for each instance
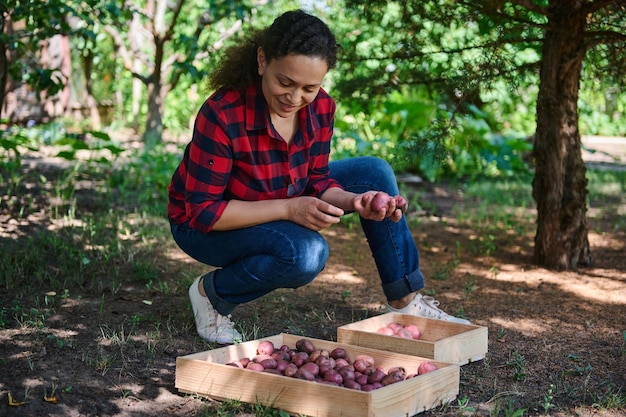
(410, 283)
(219, 304)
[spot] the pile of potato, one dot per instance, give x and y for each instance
(329, 367)
(409, 331)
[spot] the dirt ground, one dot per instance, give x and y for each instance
(557, 340)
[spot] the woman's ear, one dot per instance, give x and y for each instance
(260, 59)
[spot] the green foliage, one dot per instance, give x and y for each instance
(144, 179)
(478, 65)
(602, 109)
(25, 23)
(413, 133)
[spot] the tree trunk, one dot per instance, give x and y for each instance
(560, 184)
(156, 98)
(136, 38)
(154, 122)
(4, 62)
(90, 101)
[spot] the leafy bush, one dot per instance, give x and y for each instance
(415, 133)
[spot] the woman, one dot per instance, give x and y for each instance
(255, 185)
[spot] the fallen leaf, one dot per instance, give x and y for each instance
(52, 399)
(14, 403)
(148, 302)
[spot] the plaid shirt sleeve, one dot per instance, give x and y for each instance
(236, 154)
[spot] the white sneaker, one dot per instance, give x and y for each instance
(211, 325)
(428, 307)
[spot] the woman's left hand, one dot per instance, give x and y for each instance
(384, 206)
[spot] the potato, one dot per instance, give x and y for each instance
(397, 369)
(338, 353)
(395, 326)
(266, 347)
(333, 376)
(342, 362)
(269, 363)
(236, 364)
(352, 384)
(240, 363)
(300, 358)
(371, 387)
(361, 379)
(392, 378)
(360, 365)
(304, 373)
(304, 345)
(369, 370)
(404, 333)
(415, 331)
(376, 376)
(311, 367)
(426, 367)
(386, 330)
(319, 353)
(290, 370)
(401, 203)
(367, 359)
(347, 373)
(282, 364)
(281, 355)
(261, 358)
(380, 201)
(254, 366)
(324, 364)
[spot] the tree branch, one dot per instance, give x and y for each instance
(217, 45)
(528, 4)
(487, 45)
(123, 51)
(497, 11)
(172, 27)
(603, 37)
(596, 5)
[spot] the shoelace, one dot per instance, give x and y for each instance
(224, 322)
(432, 303)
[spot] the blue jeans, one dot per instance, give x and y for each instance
(257, 260)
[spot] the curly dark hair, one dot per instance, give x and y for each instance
(294, 32)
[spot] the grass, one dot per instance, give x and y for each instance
(107, 221)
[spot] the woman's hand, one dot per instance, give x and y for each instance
(312, 213)
(378, 205)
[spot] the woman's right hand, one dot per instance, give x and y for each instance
(312, 213)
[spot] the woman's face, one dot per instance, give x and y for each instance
(291, 82)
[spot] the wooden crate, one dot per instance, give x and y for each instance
(441, 340)
(207, 374)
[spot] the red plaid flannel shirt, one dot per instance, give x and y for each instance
(235, 153)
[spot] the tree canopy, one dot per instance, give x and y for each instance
(462, 47)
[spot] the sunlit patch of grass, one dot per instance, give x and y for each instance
(607, 196)
(613, 398)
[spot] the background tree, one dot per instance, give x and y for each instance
(34, 48)
(160, 41)
(460, 48)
